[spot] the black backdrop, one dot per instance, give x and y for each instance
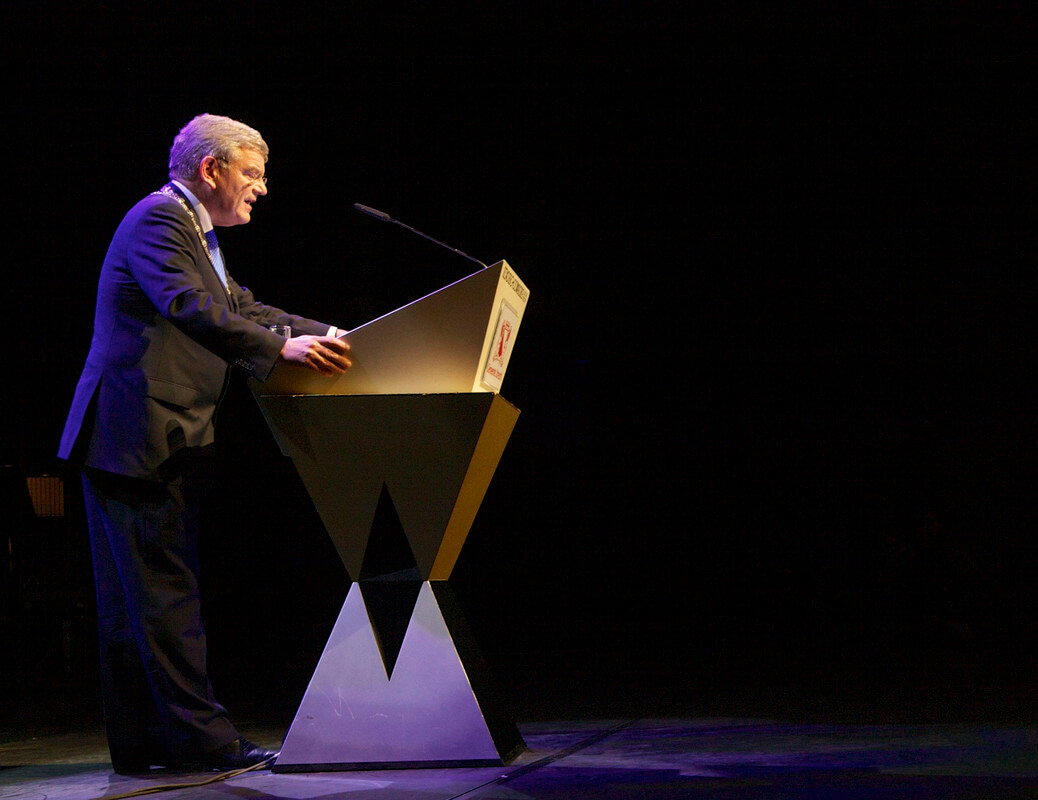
(776, 370)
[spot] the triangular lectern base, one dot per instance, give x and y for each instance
(430, 456)
(354, 716)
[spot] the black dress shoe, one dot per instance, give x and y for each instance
(239, 754)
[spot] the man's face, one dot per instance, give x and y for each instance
(237, 186)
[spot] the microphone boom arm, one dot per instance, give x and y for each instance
(384, 217)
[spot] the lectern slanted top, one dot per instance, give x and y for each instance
(457, 339)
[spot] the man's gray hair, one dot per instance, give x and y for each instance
(211, 135)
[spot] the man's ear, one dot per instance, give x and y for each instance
(207, 169)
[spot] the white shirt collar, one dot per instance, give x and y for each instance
(203, 216)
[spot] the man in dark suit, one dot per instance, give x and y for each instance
(169, 323)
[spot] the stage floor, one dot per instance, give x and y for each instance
(943, 724)
(622, 758)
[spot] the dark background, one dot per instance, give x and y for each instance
(776, 373)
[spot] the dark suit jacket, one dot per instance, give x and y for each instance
(165, 333)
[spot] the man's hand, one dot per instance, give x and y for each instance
(324, 354)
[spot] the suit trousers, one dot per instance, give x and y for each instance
(158, 701)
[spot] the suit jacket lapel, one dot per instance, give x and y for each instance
(172, 190)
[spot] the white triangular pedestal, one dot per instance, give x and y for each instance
(354, 716)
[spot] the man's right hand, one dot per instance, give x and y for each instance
(324, 354)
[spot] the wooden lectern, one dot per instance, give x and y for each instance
(397, 454)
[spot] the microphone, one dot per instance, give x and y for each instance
(382, 216)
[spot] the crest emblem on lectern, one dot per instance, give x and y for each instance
(500, 348)
(504, 336)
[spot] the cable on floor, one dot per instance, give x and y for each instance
(169, 787)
